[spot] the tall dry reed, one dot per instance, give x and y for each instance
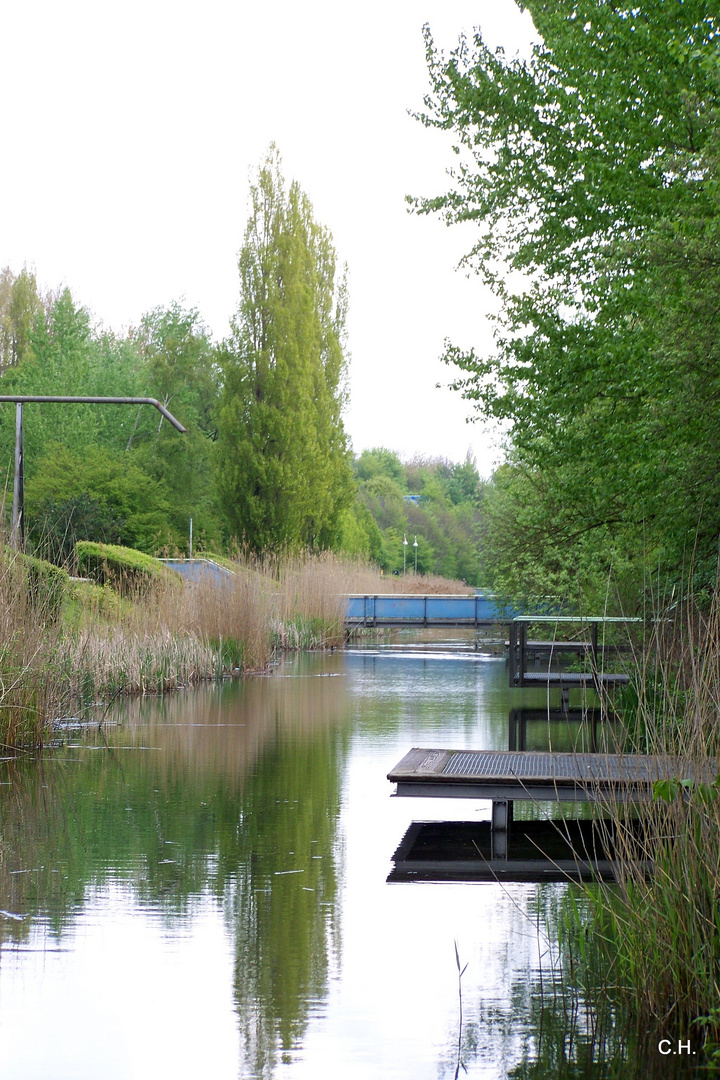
(165, 637)
(225, 622)
(28, 631)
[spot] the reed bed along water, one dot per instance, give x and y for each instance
(96, 644)
(28, 630)
(651, 943)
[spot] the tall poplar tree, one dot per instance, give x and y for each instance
(21, 307)
(284, 471)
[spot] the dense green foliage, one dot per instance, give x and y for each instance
(285, 471)
(73, 496)
(591, 173)
(428, 500)
(180, 365)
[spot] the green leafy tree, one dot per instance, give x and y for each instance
(284, 469)
(67, 357)
(380, 462)
(359, 533)
(177, 366)
(94, 495)
(464, 483)
(590, 173)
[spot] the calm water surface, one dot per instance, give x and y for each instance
(201, 890)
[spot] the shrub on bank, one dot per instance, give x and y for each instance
(87, 601)
(124, 569)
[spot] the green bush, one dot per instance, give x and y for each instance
(125, 569)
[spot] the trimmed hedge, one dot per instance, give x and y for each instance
(125, 569)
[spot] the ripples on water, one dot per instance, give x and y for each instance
(200, 888)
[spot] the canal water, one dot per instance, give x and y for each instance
(200, 888)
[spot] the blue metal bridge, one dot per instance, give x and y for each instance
(396, 609)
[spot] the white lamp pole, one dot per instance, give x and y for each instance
(405, 544)
(415, 545)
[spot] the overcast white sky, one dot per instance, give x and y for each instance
(131, 131)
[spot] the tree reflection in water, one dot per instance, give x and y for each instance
(233, 793)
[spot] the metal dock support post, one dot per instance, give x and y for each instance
(502, 815)
(512, 654)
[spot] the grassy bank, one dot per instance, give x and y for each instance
(78, 641)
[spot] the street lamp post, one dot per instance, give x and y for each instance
(18, 512)
(405, 544)
(415, 545)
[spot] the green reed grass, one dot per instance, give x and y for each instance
(654, 937)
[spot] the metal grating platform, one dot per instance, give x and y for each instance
(548, 766)
(574, 678)
(512, 775)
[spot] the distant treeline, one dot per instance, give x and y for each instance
(123, 475)
(428, 501)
